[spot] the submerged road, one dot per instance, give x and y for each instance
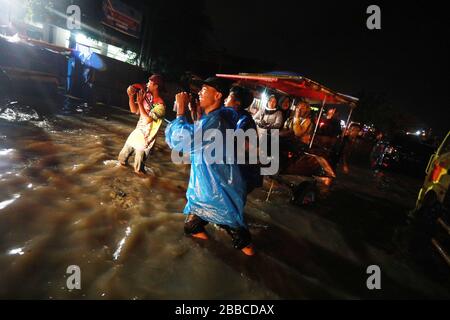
(64, 200)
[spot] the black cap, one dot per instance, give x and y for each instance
(218, 84)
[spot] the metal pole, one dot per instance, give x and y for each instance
(346, 125)
(348, 119)
(318, 121)
(270, 190)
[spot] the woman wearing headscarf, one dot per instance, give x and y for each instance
(285, 107)
(268, 117)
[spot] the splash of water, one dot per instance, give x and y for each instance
(19, 114)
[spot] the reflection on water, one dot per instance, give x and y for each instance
(122, 242)
(6, 203)
(18, 251)
(4, 152)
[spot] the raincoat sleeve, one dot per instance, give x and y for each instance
(178, 133)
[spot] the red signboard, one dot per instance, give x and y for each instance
(122, 17)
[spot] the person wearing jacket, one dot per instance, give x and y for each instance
(217, 191)
(239, 99)
(268, 118)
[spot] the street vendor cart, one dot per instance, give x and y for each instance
(306, 172)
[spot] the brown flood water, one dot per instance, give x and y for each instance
(64, 200)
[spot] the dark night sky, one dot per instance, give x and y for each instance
(329, 42)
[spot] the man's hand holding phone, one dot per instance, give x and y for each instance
(182, 100)
(131, 91)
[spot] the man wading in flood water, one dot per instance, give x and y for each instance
(216, 191)
(151, 110)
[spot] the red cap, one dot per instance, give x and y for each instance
(157, 79)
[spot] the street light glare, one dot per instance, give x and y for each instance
(80, 37)
(264, 99)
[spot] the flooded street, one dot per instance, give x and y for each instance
(65, 200)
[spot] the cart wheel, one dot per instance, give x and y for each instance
(303, 195)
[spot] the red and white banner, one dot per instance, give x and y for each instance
(122, 18)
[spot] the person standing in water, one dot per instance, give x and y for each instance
(217, 191)
(151, 110)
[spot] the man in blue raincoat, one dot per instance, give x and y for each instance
(216, 191)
